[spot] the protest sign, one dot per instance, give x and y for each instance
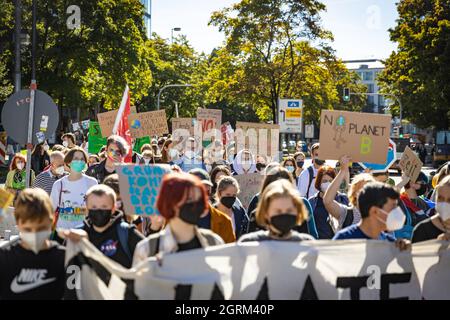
(227, 133)
(362, 136)
(261, 139)
(6, 198)
(209, 118)
(391, 158)
(107, 120)
(139, 187)
(85, 124)
(76, 126)
(96, 140)
(139, 142)
(249, 184)
(410, 164)
(272, 270)
(152, 123)
(183, 123)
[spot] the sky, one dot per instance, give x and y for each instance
(360, 27)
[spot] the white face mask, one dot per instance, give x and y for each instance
(19, 166)
(395, 219)
(65, 144)
(443, 209)
(246, 165)
(147, 162)
(35, 240)
(59, 171)
(324, 186)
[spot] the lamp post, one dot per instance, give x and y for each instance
(174, 29)
(170, 86)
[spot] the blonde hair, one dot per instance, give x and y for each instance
(34, 205)
(280, 189)
(357, 184)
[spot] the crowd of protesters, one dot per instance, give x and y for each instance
(76, 195)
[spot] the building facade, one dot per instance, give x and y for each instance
(368, 71)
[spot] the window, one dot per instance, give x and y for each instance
(371, 88)
(368, 76)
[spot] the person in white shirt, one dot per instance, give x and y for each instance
(69, 193)
(307, 179)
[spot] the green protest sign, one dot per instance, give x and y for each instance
(96, 141)
(139, 142)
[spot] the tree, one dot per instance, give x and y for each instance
(268, 47)
(419, 72)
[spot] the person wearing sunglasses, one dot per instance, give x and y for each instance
(116, 150)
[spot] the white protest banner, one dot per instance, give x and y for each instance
(249, 184)
(307, 270)
(139, 186)
(209, 118)
(410, 164)
(148, 124)
(362, 136)
(260, 138)
(76, 126)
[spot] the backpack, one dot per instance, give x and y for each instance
(349, 217)
(122, 232)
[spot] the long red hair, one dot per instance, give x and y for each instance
(173, 189)
(17, 156)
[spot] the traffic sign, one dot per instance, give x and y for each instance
(15, 116)
(290, 115)
(391, 158)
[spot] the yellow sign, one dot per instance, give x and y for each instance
(293, 113)
(6, 198)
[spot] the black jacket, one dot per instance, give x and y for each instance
(98, 171)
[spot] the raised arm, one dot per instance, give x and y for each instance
(332, 205)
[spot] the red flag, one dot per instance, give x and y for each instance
(121, 127)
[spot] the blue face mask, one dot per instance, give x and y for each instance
(290, 168)
(78, 165)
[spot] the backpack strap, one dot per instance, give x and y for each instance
(311, 178)
(122, 232)
(153, 246)
(311, 221)
(348, 218)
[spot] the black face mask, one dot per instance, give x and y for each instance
(100, 217)
(319, 162)
(260, 166)
(422, 190)
(228, 201)
(191, 212)
(284, 222)
(300, 164)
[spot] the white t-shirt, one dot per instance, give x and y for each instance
(72, 207)
(303, 183)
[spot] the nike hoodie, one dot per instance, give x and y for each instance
(28, 276)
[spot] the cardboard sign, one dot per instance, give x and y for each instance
(227, 133)
(148, 124)
(249, 184)
(362, 136)
(107, 119)
(410, 164)
(139, 186)
(261, 139)
(96, 140)
(209, 118)
(183, 123)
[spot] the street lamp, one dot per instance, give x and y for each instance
(174, 29)
(170, 86)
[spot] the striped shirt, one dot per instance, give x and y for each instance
(45, 181)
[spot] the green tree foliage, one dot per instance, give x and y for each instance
(269, 55)
(419, 72)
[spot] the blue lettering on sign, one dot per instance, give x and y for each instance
(135, 200)
(141, 181)
(126, 171)
(293, 104)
